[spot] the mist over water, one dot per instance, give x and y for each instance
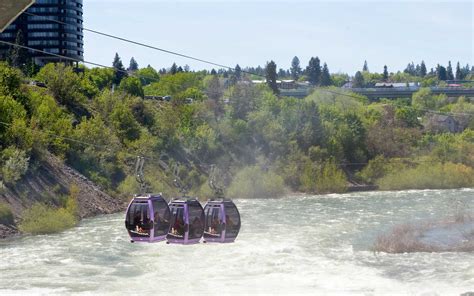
(298, 244)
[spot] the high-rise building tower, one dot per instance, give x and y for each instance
(40, 32)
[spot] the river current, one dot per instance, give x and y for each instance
(318, 245)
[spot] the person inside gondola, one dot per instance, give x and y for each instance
(178, 228)
(214, 225)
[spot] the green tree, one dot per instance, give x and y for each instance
(238, 72)
(271, 77)
(385, 73)
(133, 65)
(295, 68)
(441, 72)
(423, 71)
(148, 75)
(133, 86)
(358, 80)
(366, 67)
(424, 99)
(126, 127)
(325, 76)
(18, 56)
(459, 75)
(119, 70)
(449, 72)
(100, 77)
(173, 69)
(63, 83)
(313, 71)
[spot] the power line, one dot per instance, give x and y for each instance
(203, 61)
(91, 63)
(177, 84)
(145, 45)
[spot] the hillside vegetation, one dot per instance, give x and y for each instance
(257, 139)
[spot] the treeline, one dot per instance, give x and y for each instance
(318, 73)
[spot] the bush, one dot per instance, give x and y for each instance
(429, 176)
(331, 179)
(14, 165)
(253, 182)
(41, 219)
(6, 215)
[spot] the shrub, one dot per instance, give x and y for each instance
(253, 182)
(41, 219)
(14, 165)
(429, 176)
(6, 215)
(403, 238)
(331, 179)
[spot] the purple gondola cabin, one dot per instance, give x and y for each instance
(148, 219)
(187, 221)
(222, 221)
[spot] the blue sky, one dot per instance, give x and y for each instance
(341, 33)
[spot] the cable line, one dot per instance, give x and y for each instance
(144, 45)
(201, 60)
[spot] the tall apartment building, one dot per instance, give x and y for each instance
(39, 32)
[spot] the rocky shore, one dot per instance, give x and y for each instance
(52, 178)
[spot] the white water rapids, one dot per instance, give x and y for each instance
(318, 245)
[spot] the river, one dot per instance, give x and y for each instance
(294, 245)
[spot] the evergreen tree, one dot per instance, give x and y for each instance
(441, 72)
(295, 69)
(281, 73)
(423, 69)
(119, 70)
(213, 72)
(458, 72)
(271, 76)
(385, 73)
(358, 80)
(465, 71)
(18, 56)
(313, 71)
(238, 72)
(325, 76)
(449, 72)
(133, 65)
(366, 67)
(173, 69)
(180, 69)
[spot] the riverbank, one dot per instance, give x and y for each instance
(49, 183)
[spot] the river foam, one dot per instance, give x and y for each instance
(295, 245)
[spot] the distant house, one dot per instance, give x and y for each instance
(438, 123)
